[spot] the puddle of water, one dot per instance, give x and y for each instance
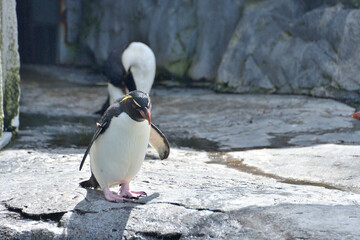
(33, 120)
(194, 143)
(77, 131)
(225, 159)
(280, 141)
(54, 131)
(46, 78)
(71, 140)
(33, 77)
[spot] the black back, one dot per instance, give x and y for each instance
(115, 72)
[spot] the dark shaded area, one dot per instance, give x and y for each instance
(156, 235)
(70, 140)
(77, 138)
(119, 212)
(194, 143)
(29, 120)
(38, 30)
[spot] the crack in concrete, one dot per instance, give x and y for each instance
(157, 235)
(193, 208)
(129, 208)
(56, 216)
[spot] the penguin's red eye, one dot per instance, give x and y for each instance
(133, 105)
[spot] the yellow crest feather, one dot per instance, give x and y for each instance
(127, 97)
(136, 103)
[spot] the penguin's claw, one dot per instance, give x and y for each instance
(141, 193)
(134, 194)
(112, 197)
(126, 192)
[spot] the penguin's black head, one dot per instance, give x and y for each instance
(137, 105)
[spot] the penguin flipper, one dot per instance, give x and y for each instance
(113, 110)
(99, 130)
(159, 142)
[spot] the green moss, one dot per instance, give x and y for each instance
(234, 39)
(10, 78)
(178, 68)
(71, 52)
(287, 34)
(222, 87)
(181, 65)
(11, 97)
(251, 3)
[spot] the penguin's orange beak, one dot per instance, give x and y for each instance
(356, 115)
(146, 115)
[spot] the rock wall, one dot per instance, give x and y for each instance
(9, 69)
(276, 46)
(188, 37)
(294, 47)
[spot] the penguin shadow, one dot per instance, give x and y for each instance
(96, 218)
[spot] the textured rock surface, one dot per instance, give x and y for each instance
(9, 68)
(294, 47)
(309, 190)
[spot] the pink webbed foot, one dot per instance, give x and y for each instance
(126, 192)
(112, 197)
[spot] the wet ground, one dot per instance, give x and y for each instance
(62, 109)
(190, 118)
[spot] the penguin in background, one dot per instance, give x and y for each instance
(128, 69)
(118, 147)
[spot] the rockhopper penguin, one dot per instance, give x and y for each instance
(118, 147)
(128, 69)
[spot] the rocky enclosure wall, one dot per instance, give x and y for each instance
(9, 68)
(188, 37)
(275, 46)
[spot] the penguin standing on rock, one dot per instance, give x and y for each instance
(118, 147)
(129, 69)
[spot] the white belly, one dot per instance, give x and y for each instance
(115, 93)
(117, 155)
